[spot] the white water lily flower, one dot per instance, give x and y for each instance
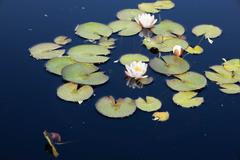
(177, 50)
(136, 70)
(146, 20)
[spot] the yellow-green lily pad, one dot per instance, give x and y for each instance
(161, 116)
(156, 6)
(187, 99)
(195, 50)
(127, 59)
(121, 108)
(62, 40)
(149, 105)
(128, 14)
(230, 88)
(209, 31)
(107, 42)
(232, 65)
(93, 30)
(125, 28)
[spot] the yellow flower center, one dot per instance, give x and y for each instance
(138, 69)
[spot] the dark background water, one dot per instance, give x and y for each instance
(29, 105)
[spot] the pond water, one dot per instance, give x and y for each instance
(29, 104)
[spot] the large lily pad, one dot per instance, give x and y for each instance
(82, 73)
(125, 28)
(168, 28)
(151, 104)
(121, 108)
(93, 30)
(187, 99)
(127, 59)
(209, 31)
(56, 65)
(128, 14)
(46, 51)
(172, 65)
(70, 92)
(156, 6)
(89, 53)
(189, 81)
(230, 88)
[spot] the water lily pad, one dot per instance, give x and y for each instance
(161, 116)
(128, 14)
(93, 30)
(221, 75)
(107, 42)
(209, 31)
(46, 51)
(156, 6)
(172, 65)
(196, 50)
(232, 65)
(56, 65)
(62, 40)
(230, 88)
(151, 104)
(120, 108)
(71, 92)
(127, 59)
(187, 99)
(188, 81)
(89, 53)
(125, 28)
(168, 28)
(82, 73)
(146, 81)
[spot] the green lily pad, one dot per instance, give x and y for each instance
(128, 14)
(89, 53)
(151, 104)
(62, 40)
(56, 65)
(230, 88)
(156, 6)
(93, 30)
(108, 43)
(46, 51)
(70, 92)
(127, 59)
(174, 65)
(188, 81)
(232, 65)
(187, 99)
(196, 50)
(209, 31)
(120, 108)
(82, 73)
(168, 28)
(146, 81)
(125, 28)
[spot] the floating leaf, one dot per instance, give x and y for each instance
(93, 30)
(82, 73)
(46, 51)
(121, 108)
(156, 6)
(209, 31)
(53, 149)
(128, 14)
(168, 28)
(89, 53)
(146, 81)
(188, 81)
(71, 92)
(62, 40)
(230, 88)
(172, 65)
(108, 43)
(232, 65)
(187, 99)
(125, 28)
(196, 50)
(151, 104)
(160, 116)
(127, 59)
(56, 65)
(221, 75)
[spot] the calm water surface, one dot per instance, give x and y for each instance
(28, 93)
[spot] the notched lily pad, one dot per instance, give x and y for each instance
(127, 59)
(156, 6)
(187, 99)
(62, 40)
(107, 42)
(125, 28)
(93, 30)
(128, 14)
(232, 65)
(209, 31)
(149, 105)
(161, 116)
(195, 50)
(230, 88)
(121, 108)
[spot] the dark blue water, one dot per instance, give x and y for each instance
(29, 105)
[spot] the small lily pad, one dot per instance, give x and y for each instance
(127, 59)
(196, 50)
(120, 108)
(89, 53)
(107, 42)
(56, 65)
(125, 28)
(93, 30)
(187, 99)
(161, 116)
(151, 104)
(70, 92)
(230, 88)
(62, 40)
(209, 31)
(156, 6)
(146, 81)
(170, 66)
(128, 14)
(188, 81)
(46, 51)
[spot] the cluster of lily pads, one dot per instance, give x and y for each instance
(79, 65)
